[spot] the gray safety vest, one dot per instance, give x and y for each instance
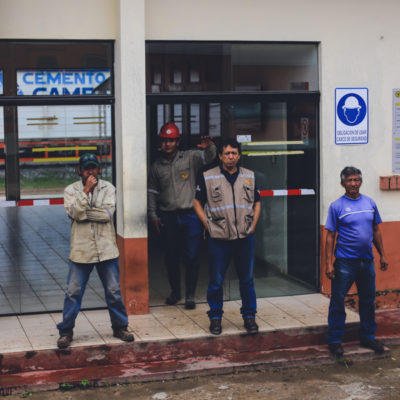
(229, 209)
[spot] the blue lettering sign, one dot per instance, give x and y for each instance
(25, 78)
(90, 76)
(39, 78)
(87, 90)
(79, 78)
(39, 89)
(56, 78)
(54, 91)
(67, 78)
(100, 78)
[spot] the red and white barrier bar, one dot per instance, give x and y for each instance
(287, 192)
(38, 202)
(51, 202)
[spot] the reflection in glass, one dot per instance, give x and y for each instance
(214, 120)
(51, 140)
(282, 153)
(2, 157)
(178, 116)
(195, 119)
(194, 76)
(230, 66)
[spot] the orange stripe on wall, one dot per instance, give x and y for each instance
(133, 263)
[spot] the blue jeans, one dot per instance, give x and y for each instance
(220, 253)
(78, 277)
(348, 271)
(181, 236)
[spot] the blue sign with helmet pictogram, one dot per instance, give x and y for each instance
(351, 109)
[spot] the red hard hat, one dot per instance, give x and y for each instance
(170, 131)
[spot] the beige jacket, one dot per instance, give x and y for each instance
(229, 209)
(172, 184)
(92, 228)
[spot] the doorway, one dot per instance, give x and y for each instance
(266, 96)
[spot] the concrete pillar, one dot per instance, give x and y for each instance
(130, 154)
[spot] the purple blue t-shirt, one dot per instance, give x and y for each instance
(354, 221)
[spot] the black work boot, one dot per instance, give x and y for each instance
(215, 326)
(336, 349)
(375, 345)
(189, 303)
(251, 325)
(172, 299)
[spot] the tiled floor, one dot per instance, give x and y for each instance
(34, 247)
(37, 332)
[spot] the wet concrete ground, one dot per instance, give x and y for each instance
(373, 379)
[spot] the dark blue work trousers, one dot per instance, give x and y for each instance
(348, 271)
(181, 236)
(220, 253)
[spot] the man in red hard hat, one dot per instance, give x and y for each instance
(171, 191)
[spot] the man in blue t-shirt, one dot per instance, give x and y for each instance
(355, 219)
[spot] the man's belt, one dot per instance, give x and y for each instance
(182, 211)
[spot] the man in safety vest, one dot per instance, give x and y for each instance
(228, 205)
(171, 190)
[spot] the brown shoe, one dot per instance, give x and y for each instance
(64, 340)
(124, 335)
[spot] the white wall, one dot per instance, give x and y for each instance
(359, 47)
(58, 19)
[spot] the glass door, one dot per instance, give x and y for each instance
(279, 143)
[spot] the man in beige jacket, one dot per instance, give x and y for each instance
(90, 204)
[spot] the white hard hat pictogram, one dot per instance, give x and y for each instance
(351, 102)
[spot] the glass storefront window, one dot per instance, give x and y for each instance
(44, 140)
(227, 66)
